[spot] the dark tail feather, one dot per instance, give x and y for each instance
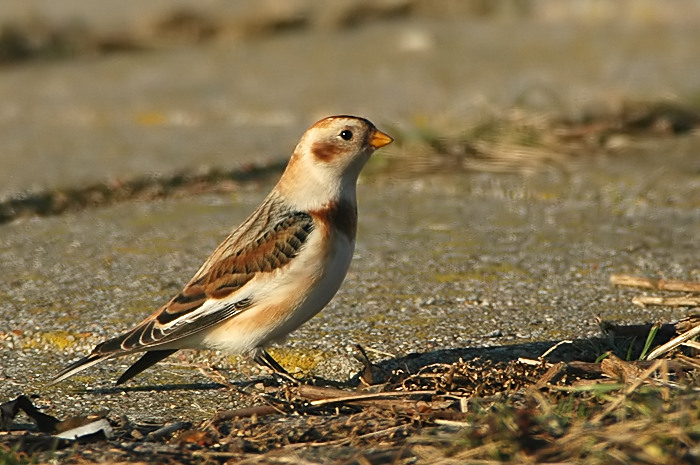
(80, 365)
(147, 360)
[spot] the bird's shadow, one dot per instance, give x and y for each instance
(158, 388)
(624, 341)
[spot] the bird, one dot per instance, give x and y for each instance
(275, 271)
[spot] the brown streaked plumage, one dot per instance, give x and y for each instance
(280, 267)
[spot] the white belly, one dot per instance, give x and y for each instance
(284, 299)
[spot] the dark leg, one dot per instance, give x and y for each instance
(263, 358)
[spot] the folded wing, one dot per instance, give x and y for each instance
(217, 292)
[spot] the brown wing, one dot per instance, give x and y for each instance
(182, 316)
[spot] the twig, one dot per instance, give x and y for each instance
(673, 343)
(460, 457)
(688, 301)
(272, 457)
(168, 429)
(651, 283)
(258, 410)
(630, 389)
(554, 347)
(689, 361)
(339, 442)
(459, 424)
(395, 400)
(216, 454)
(552, 373)
(320, 395)
(530, 361)
(311, 392)
(372, 396)
(379, 352)
(596, 369)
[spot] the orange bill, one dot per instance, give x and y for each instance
(379, 139)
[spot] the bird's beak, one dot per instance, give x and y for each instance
(379, 139)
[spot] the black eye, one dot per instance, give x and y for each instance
(346, 135)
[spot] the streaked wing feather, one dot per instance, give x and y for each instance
(78, 366)
(185, 328)
(186, 313)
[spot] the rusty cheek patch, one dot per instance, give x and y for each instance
(342, 215)
(325, 151)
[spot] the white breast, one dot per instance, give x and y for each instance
(285, 299)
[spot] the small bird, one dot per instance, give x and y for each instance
(276, 270)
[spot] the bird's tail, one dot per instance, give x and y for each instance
(78, 366)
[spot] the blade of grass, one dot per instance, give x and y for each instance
(650, 339)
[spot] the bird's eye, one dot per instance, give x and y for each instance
(346, 135)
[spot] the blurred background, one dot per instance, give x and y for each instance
(103, 90)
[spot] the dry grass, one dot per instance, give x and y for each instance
(477, 411)
(597, 421)
(525, 142)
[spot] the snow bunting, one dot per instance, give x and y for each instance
(276, 270)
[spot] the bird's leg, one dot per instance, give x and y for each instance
(263, 358)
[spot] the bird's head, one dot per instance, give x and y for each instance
(329, 157)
